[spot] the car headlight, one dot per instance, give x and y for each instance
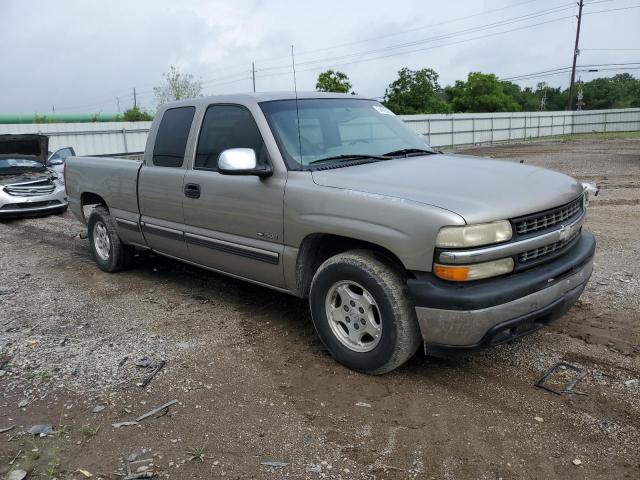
(476, 271)
(474, 235)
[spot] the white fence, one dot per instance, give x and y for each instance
(100, 138)
(111, 138)
(476, 128)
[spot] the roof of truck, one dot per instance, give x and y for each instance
(261, 97)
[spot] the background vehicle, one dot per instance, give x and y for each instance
(333, 198)
(56, 159)
(27, 186)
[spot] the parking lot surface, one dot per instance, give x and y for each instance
(258, 396)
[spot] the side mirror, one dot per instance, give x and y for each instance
(55, 161)
(241, 161)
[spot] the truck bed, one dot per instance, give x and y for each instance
(115, 180)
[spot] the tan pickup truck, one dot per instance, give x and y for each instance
(332, 197)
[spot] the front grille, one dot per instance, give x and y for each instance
(28, 205)
(31, 189)
(537, 253)
(544, 220)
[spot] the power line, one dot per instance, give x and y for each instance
(466, 31)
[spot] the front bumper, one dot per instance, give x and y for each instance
(493, 311)
(12, 206)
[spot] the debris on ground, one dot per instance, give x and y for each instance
(632, 383)
(42, 430)
(6, 429)
(84, 473)
(577, 462)
(155, 371)
(17, 474)
(23, 403)
(274, 464)
(363, 404)
(156, 411)
(568, 388)
(98, 408)
(123, 424)
(538, 419)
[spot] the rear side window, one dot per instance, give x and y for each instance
(224, 127)
(171, 140)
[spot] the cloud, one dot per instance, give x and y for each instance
(88, 56)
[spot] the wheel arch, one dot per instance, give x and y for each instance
(88, 199)
(318, 247)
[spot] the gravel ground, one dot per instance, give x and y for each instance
(254, 385)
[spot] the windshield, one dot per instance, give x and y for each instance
(12, 165)
(335, 129)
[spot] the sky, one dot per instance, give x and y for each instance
(88, 55)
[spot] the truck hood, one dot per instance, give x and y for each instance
(29, 146)
(478, 189)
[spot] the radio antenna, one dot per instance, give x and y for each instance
(295, 89)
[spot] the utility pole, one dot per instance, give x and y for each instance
(118, 103)
(135, 100)
(576, 52)
(253, 75)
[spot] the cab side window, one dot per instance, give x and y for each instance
(171, 140)
(224, 127)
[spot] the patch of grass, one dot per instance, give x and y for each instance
(196, 453)
(53, 468)
(89, 431)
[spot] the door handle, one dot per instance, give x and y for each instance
(192, 190)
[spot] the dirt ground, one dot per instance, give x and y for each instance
(254, 385)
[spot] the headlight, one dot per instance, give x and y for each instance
(476, 271)
(474, 235)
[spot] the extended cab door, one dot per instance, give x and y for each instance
(160, 185)
(235, 223)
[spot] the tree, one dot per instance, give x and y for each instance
(177, 86)
(528, 99)
(482, 92)
(135, 114)
(415, 91)
(331, 81)
(619, 91)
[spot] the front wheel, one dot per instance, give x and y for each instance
(109, 253)
(362, 312)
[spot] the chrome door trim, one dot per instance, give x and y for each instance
(512, 248)
(259, 254)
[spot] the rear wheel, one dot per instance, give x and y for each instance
(109, 253)
(362, 312)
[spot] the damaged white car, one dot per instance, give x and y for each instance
(28, 187)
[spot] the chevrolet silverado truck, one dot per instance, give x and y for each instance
(333, 198)
(29, 182)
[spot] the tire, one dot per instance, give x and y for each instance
(109, 253)
(381, 306)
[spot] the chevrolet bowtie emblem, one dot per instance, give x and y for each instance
(565, 232)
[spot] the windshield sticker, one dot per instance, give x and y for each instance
(383, 110)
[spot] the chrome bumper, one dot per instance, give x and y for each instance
(468, 328)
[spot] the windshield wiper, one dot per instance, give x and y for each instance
(411, 151)
(348, 157)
